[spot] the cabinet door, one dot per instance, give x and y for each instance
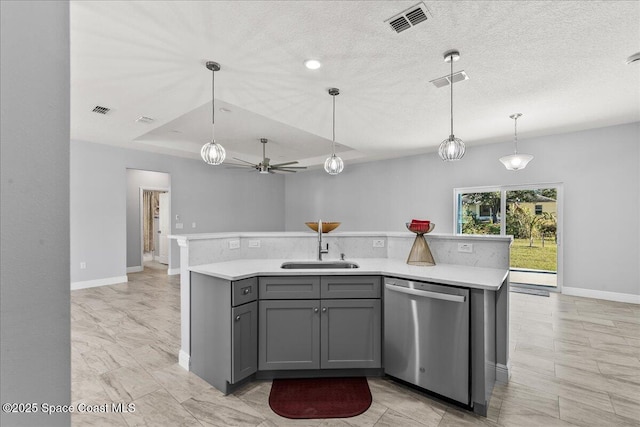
(244, 357)
(289, 335)
(351, 334)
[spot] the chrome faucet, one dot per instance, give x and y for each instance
(320, 249)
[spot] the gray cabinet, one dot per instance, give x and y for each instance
(350, 334)
(342, 329)
(289, 334)
(224, 337)
(350, 286)
(244, 349)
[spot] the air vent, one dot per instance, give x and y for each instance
(144, 119)
(408, 18)
(101, 110)
(444, 81)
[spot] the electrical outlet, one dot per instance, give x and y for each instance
(83, 265)
(179, 226)
(254, 243)
(465, 247)
(234, 244)
(378, 243)
(193, 225)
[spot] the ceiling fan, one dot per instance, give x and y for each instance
(265, 167)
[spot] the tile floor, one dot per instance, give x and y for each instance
(575, 361)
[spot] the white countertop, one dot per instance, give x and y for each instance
(312, 234)
(448, 274)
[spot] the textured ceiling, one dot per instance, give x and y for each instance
(561, 63)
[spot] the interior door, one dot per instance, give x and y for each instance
(163, 232)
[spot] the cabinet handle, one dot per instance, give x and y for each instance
(315, 309)
(246, 291)
(324, 309)
(238, 317)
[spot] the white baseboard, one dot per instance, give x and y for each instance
(184, 359)
(502, 373)
(173, 271)
(98, 282)
(136, 269)
(610, 296)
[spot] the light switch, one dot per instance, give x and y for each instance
(234, 244)
(83, 265)
(179, 226)
(254, 243)
(193, 225)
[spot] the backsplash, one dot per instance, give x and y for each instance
(487, 251)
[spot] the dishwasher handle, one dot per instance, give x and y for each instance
(426, 294)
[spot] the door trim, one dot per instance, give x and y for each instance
(141, 191)
(503, 206)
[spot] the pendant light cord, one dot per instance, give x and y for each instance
(333, 144)
(515, 140)
(213, 107)
(451, 83)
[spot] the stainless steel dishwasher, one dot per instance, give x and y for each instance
(426, 336)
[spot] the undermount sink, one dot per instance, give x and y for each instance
(318, 264)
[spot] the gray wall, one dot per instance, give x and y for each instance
(34, 154)
(601, 197)
(136, 179)
(216, 199)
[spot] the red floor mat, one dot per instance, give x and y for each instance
(320, 397)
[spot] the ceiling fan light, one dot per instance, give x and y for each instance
(516, 162)
(451, 149)
(213, 153)
(333, 165)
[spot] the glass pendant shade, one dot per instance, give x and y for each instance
(333, 165)
(515, 162)
(213, 153)
(451, 149)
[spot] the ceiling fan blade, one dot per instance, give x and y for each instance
(289, 167)
(284, 164)
(238, 165)
(244, 161)
(285, 170)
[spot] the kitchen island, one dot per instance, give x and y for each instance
(240, 282)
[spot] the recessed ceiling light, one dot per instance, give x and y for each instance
(312, 64)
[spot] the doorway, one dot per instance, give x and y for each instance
(154, 210)
(532, 214)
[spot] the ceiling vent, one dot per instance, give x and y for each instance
(144, 119)
(444, 81)
(101, 110)
(408, 18)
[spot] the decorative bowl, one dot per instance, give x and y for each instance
(420, 227)
(326, 226)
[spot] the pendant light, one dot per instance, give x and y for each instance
(211, 152)
(451, 148)
(516, 161)
(334, 164)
